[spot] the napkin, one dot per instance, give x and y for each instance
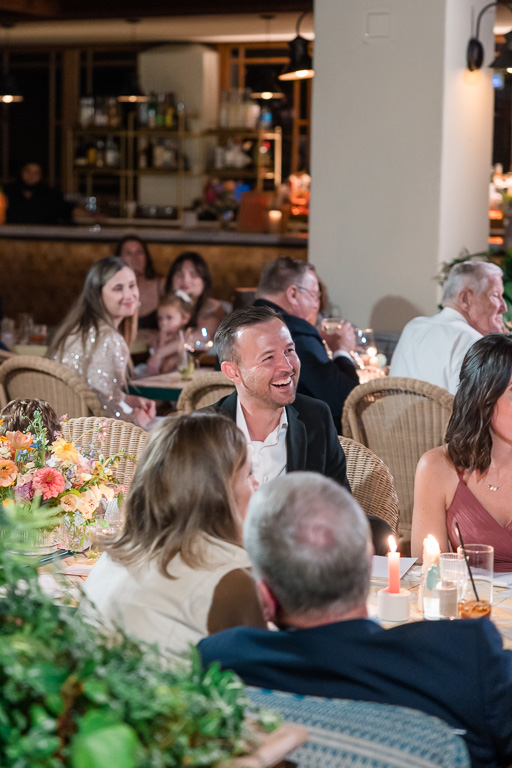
(380, 566)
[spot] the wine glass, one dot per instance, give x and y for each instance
(365, 344)
(198, 342)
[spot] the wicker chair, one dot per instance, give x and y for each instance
(363, 734)
(25, 376)
(399, 419)
(119, 435)
(5, 355)
(371, 482)
(204, 390)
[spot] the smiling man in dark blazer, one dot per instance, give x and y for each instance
(287, 432)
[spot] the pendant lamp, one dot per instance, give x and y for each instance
(475, 49)
(10, 92)
(131, 91)
(300, 66)
(265, 82)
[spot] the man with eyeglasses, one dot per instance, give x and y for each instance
(290, 287)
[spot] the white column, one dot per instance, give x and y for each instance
(401, 152)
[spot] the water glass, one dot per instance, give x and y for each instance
(453, 573)
(476, 598)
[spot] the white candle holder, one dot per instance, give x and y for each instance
(393, 606)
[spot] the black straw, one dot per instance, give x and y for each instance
(467, 561)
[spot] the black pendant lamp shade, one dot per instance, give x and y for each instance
(9, 90)
(300, 66)
(131, 91)
(266, 86)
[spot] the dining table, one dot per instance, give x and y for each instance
(73, 571)
(163, 386)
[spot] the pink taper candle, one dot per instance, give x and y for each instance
(393, 567)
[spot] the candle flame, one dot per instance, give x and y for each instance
(431, 544)
(392, 543)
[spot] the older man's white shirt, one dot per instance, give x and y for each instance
(432, 348)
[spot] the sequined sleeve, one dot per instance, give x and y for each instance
(103, 364)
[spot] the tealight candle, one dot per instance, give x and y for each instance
(393, 567)
(274, 222)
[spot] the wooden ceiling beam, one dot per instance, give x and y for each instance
(30, 9)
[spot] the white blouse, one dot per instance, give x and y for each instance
(170, 612)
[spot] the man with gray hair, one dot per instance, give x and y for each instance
(432, 348)
(308, 541)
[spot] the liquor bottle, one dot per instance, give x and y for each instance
(111, 153)
(100, 153)
(152, 110)
(170, 112)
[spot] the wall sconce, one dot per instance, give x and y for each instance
(10, 92)
(475, 51)
(300, 66)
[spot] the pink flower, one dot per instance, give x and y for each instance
(48, 482)
(102, 431)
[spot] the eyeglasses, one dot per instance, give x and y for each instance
(315, 295)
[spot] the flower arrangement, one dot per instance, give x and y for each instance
(59, 476)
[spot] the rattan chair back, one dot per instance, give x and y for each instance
(371, 482)
(118, 436)
(204, 390)
(398, 419)
(28, 376)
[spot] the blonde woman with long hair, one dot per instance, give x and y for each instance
(95, 338)
(179, 572)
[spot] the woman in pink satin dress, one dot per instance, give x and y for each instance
(469, 480)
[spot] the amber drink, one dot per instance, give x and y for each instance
(476, 598)
(474, 609)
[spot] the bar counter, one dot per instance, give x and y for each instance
(43, 267)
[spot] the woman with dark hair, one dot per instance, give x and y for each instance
(178, 572)
(151, 287)
(190, 273)
(95, 337)
(469, 480)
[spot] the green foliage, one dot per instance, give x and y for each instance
(72, 698)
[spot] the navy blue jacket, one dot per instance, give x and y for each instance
(455, 670)
(324, 379)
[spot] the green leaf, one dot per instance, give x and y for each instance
(113, 746)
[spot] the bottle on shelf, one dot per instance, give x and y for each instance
(170, 112)
(152, 110)
(100, 153)
(111, 153)
(86, 111)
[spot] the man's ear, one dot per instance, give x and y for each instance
(231, 370)
(465, 298)
(269, 603)
(291, 295)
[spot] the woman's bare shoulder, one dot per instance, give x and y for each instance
(437, 460)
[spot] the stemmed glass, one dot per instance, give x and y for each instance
(365, 345)
(198, 342)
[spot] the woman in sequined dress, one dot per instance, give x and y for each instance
(94, 339)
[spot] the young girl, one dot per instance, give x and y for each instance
(174, 313)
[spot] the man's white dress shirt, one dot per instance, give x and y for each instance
(432, 348)
(268, 457)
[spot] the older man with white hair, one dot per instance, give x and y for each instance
(308, 541)
(432, 348)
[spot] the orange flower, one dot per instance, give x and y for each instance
(19, 440)
(8, 472)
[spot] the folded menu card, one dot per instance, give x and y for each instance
(380, 566)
